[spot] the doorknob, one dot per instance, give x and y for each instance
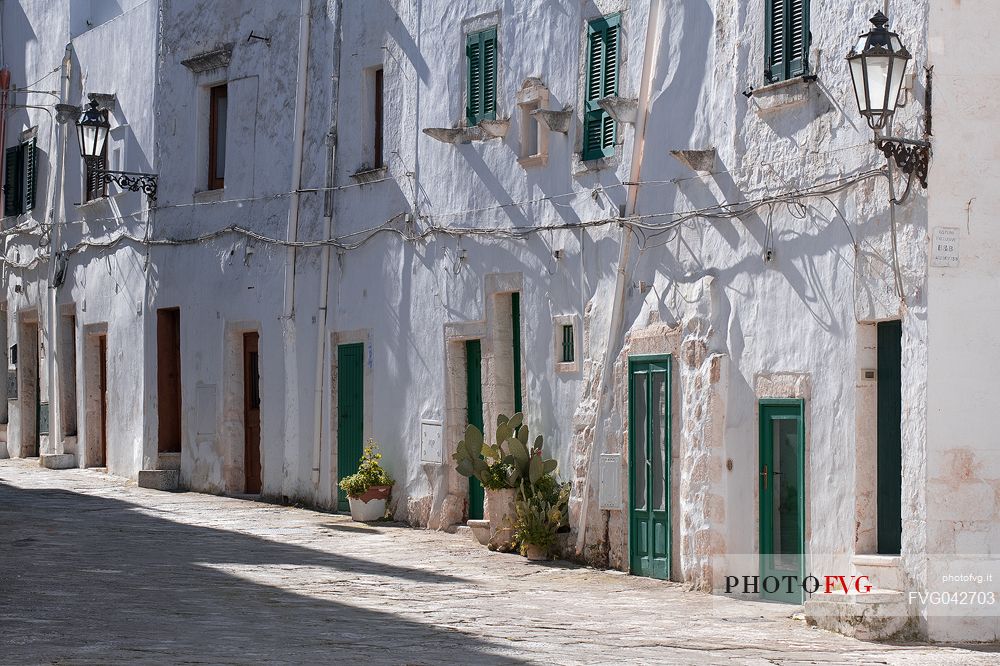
(764, 475)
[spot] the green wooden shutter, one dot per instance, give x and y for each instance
(29, 166)
(12, 181)
(567, 344)
(481, 59)
(602, 81)
(786, 39)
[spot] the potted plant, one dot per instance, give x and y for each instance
(485, 462)
(542, 511)
(502, 468)
(368, 488)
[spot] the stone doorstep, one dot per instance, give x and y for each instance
(875, 596)
(884, 571)
(159, 479)
(168, 461)
(876, 615)
(57, 460)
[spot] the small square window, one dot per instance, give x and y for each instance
(567, 344)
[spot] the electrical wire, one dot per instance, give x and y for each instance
(638, 225)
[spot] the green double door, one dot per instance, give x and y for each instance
(350, 413)
(782, 499)
(649, 466)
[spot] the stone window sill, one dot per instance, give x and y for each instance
(204, 196)
(539, 160)
(369, 175)
(783, 94)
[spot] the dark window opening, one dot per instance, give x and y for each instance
(218, 106)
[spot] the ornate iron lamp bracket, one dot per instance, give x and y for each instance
(133, 181)
(912, 157)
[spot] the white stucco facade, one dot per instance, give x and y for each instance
(760, 261)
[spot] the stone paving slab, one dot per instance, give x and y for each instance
(94, 570)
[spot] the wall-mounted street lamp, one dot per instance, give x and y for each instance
(878, 66)
(92, 130)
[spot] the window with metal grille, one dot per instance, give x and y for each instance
(568, 354)
(786, 39)
(599, 129)
(20, 178)
(481, 58)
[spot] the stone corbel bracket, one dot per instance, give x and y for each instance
(701, 161)
(622, 109)
(67, 112)
(455, 134)
(494, 129)
(214, 59)
(555, 121)
(105, 101)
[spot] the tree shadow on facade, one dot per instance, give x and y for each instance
(95, 578)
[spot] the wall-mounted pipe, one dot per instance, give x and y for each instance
(324, 270)
(651, 51)
(298, 139)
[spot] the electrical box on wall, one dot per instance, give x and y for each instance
(431, 448)
(610, 491)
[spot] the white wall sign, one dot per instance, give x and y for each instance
(944, 247)
(431, 450)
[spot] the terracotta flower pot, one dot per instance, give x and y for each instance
(502, 514)
(535, 553)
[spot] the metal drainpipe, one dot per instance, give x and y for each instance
(324, 271)
(55, 411)
(618, 308)
(298, 139)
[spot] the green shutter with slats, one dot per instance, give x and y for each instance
(481, 59)
(786, 39)
(29, 165)
(567, 344)
(12, 181)
(602, 81)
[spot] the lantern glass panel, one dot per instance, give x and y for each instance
(896, 82)
(858, 75)
(877, 69)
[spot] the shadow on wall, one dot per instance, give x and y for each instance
(119, 583)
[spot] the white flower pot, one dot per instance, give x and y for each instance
(364, 512)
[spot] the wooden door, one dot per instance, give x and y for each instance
(350, 413)
(251, 412)
(103, 389)
(649, 466)
(782, 496)
(168, 379)
(474, 416)
(889, 521)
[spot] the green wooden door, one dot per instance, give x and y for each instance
(515, 327)
(889, 521)
(649, 466)
(474, 411)
(782, 497)
(350, 412)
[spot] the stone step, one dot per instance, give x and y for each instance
(57, 460)
(159, 479)
(878, 615)
(884, 571)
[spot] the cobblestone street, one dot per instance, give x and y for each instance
(95, 570)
